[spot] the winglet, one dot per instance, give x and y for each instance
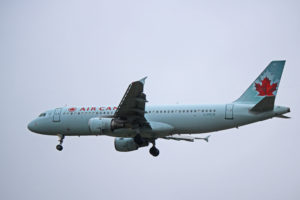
(143, 80)
(206, 138)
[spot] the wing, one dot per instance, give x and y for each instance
(185, 138)
(131, 109)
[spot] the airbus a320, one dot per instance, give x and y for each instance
(135, 124)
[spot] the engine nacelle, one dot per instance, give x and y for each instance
(100, 125)
(128, 144)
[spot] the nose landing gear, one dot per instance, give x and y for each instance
(59, 147)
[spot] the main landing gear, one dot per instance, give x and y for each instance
(141, 142)
(59, 147)
(153, 150)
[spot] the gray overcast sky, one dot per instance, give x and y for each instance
(54, 53)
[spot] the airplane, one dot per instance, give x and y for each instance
(135, 125)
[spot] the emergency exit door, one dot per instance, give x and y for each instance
(229, 111)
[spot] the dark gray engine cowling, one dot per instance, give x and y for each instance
(99, 125)
(128, 144)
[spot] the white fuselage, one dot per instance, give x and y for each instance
(188, 119)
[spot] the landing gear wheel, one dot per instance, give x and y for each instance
(154, 151)
(61, 138)
(59, 147)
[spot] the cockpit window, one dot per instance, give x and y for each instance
(42, 115)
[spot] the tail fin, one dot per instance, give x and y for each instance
(266, 84)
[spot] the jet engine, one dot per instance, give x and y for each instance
(128, 144)
(99, 125)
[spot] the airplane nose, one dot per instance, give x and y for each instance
(32, 126)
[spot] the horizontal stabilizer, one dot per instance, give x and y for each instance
(283, 116)
(266, 104)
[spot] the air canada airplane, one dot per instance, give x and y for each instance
(136, 125)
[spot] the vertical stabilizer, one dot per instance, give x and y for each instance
(266, 84)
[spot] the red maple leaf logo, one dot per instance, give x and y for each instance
(265, 88)
(72, 109)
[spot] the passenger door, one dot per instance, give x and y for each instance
(56, 115)
(229, 111)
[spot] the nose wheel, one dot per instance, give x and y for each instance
(59, 147)
(153, 150)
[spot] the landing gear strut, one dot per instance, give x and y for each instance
(153, 150)
(59, 147)
(138, 139)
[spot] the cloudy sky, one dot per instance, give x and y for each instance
(57, 53)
